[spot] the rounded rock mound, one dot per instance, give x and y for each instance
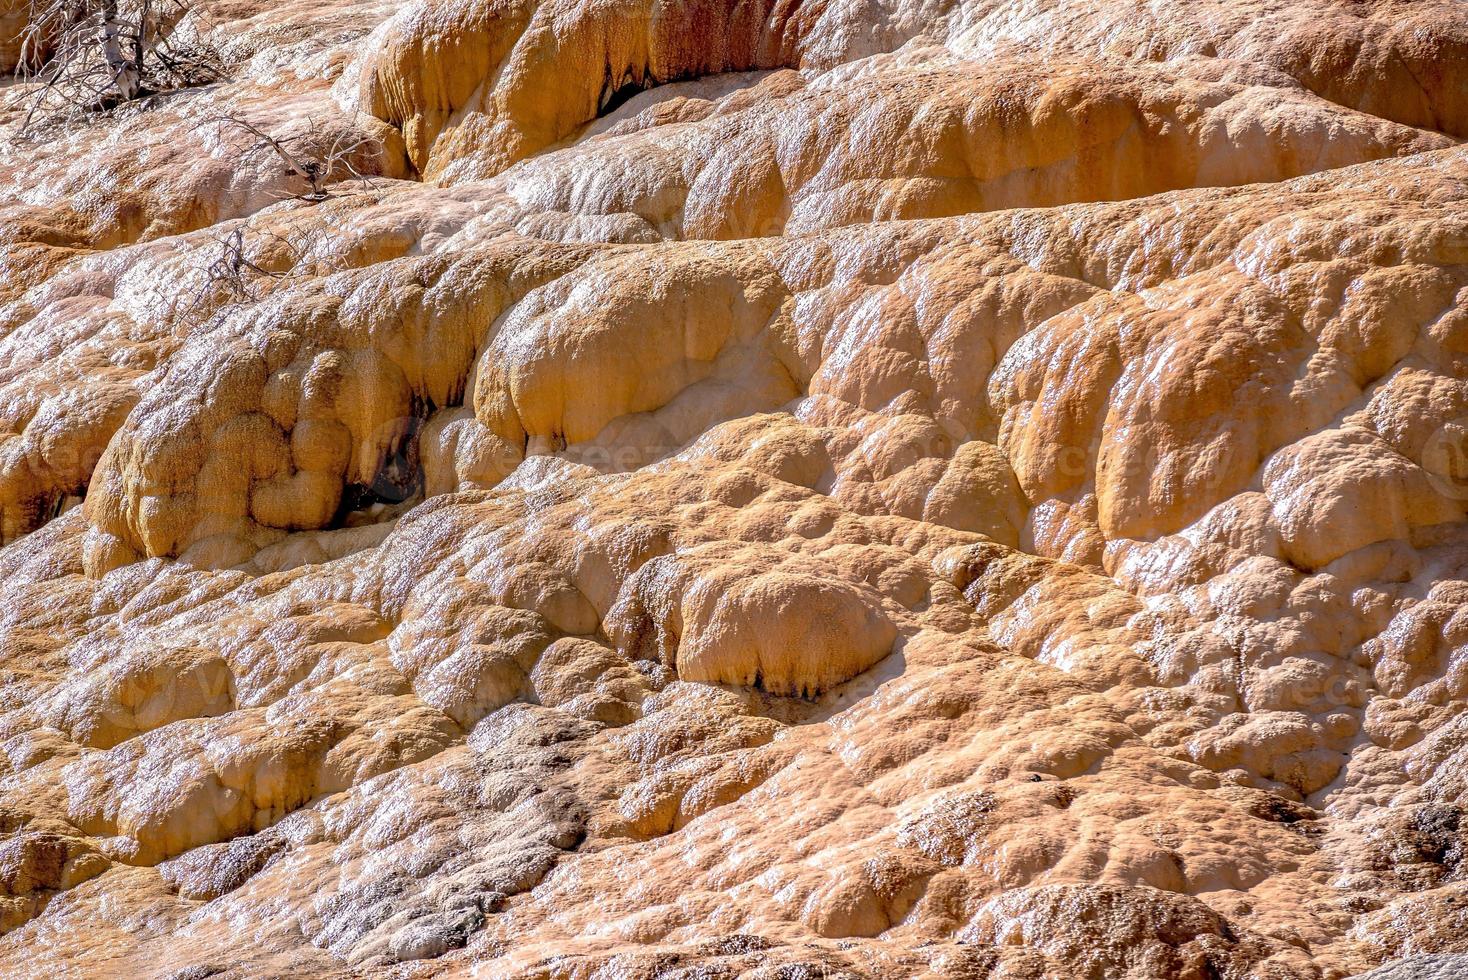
(787, 626)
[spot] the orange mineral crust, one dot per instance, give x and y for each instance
(775, 489)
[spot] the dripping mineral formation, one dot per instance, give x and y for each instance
(692, 488)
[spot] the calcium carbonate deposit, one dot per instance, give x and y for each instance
(780, 489)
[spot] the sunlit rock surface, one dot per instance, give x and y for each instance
(894, 489)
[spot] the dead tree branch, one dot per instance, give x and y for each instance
(315, 164)
(248, 263)
(92, 55)
(232, 272)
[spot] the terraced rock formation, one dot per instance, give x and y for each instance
(912, 488)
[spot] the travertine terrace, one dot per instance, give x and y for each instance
(772, 489)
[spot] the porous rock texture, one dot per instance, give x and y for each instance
(773, 489)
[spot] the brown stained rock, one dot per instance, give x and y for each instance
(926, 488)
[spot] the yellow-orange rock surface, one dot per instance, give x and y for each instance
(772, 489)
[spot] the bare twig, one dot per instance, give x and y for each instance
(232, 277)
(232, 271)
(314, 164)
(95, 54)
